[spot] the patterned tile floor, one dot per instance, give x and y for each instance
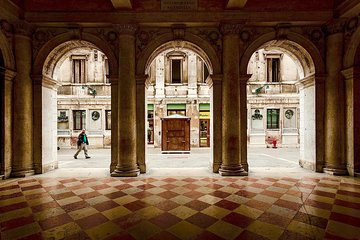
(163, 208)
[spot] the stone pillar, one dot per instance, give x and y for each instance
(45, 123)
(231, 121)
(334, 102)
(23, 163)
(114, 122)
(127, 161)
(8, 121)
(141, 132)
(215, 121)
(243, 121)
(352, 84)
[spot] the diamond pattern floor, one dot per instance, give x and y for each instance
(180, 208)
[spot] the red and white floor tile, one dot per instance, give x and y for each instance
(180, 208)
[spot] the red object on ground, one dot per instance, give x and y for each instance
(274, 142)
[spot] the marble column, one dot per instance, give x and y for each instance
(334, 102)
(127, 160)
(231, 118)
(141, 141)
(114, 122)
(8, 121)
(23, 163)
(352, 84)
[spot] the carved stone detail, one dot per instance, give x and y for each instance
(282, 30)
(145, 36)
(129, 29)
(230, 28)
(333, 27)
(23, 28)
(351, 25)
(178, 31)
(42, 35)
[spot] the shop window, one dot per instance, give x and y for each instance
(79, 119)
(273, 118)
(176, 109)
(108, 119)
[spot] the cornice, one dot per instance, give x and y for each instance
(169, 18)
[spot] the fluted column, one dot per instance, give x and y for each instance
(334, 102)
(23, 163)
(127, 162)
(231, 121)
(7, 114)
(352, 84)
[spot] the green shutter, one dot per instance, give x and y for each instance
(204, 107)
(150, 107)
(176, 106)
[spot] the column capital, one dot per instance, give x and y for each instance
(214, 80)
(350, 73)
(306, 82)
(113, 79)
(45, 81)
(23, 28)
(141, 79)
(244, 77)
(126, 29)
(9, 75)
(231, 28)
(335, 26)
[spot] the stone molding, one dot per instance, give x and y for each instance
(350, 73)
(141, 80)
(45, 81)
(215, 80)
(244, 78)
(126, 29)
(23, 28)
(231, 28)
(282, 30)
(306, 82)
(9, 75)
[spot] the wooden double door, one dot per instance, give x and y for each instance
(175, 134)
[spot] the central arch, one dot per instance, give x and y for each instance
(208, 56)
(311, 83)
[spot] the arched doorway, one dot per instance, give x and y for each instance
(184, 51)
(74, 92)
(178, 84)
(282, 103)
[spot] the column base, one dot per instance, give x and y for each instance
(25, 173)
(125, 172)
(232, 170)
(336, 171)
(142, 168)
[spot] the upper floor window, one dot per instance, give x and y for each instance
(108, 119)
(205, 73)
(78, 68)
(273, 69)
(176, 70)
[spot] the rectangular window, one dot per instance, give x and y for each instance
(273, 69)
(150, 109)
(108, 119)
(176, 70)
(176, 108)
(79, 119)
(273, 118)
(78, 68)
(106, 62)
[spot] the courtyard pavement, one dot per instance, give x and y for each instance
(263, 161)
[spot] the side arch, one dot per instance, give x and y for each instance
(52, 44)
(197, 42)
(293, 37)
(8, 56)
(351, 50)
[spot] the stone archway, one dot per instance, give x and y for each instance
(7, 66)
(45, 87)
(207, 53)
(311, 84)
(351, 73)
